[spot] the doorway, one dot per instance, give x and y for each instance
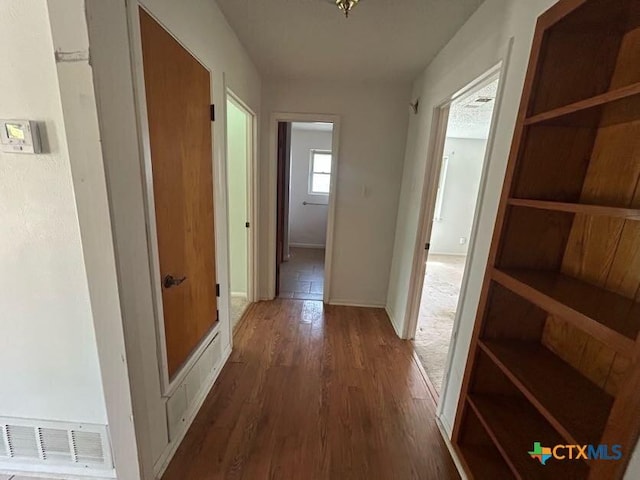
(240, 124)
(463, 136)
(306, 162)
(181, 151)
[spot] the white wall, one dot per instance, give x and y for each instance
(48, 353)
(478, 46)
(202, 29)
(372, 140)
(460, 192)
(237, 157)
(307, 223)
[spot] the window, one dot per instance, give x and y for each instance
(320, 172)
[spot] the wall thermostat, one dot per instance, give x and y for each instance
(20, 136)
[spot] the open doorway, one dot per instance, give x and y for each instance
(305, 170)
(461, 148)
(239, 180)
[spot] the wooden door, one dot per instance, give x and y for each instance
(284, 168)
(178, 105)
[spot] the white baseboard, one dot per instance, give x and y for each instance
(170, 450)
(454, 455)
(52, 474)
(239, 294)
(392, 319)
(355, 303)
(448, 254)
(306, 245)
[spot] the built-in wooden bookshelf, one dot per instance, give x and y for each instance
(555, 354)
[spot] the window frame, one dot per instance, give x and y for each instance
(312, 171)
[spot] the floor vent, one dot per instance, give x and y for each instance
(37, 442)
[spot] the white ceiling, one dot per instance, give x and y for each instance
(381, 39)
(469, 118)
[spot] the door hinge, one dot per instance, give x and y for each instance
(213, 113)
(217, 316)
(217, 289)
(427, 246)
(247, 224)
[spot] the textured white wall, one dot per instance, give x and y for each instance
(48, 354)
(372, 140)
(460, 193)
(237, 151)
(307, 223)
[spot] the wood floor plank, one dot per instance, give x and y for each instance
(315, 392)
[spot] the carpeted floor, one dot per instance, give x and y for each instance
(437, 312)
(238, 306)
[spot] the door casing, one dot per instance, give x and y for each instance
(272, 192)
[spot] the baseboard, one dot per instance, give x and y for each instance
(48, 476)
(454, 454)
(165, 459)
(355, 303)
(392, 319)
(449, 254)
(307, 245)
(239, 294)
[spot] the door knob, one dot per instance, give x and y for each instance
(170, 281)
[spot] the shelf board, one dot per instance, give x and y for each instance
(610, 318)
(499, 414)
(594, 210)
(589, 103)
(574, 406)
(484, 462)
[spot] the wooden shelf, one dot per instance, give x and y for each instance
(611, 318)
(485, 462)
(499, 414)
(594, 210)
(593, 102)
(574, 406)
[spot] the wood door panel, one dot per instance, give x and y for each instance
(178, 106)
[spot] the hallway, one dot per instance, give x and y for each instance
(315, 392)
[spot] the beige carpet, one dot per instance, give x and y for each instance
(437, 312)
(238, 306)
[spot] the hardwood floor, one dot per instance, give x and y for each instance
(315, 392)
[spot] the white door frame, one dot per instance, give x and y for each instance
(428, 204)
(428, 201)
(273, 193)
(252, 189)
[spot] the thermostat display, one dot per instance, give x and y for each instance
(19, 136)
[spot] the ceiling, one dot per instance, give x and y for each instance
(470, 117)
(381, 40)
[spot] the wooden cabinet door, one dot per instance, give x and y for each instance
(178, 95)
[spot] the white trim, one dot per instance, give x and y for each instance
(273, 192)
(59, 475)
(504, 67)
(167, 385)
(356, 303)
(239, 295)
(167, 455)
(307, 245)
(452, 451)
(428, 203)
(393, 321)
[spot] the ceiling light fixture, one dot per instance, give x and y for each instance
(346, 6)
